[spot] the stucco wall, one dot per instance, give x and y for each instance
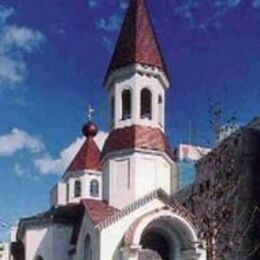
(49, 241)
(130, 177)
(111, 237)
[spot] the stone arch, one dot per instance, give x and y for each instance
(178, 237)
(38, 257)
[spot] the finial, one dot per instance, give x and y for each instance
(90, 129)
(90, 113)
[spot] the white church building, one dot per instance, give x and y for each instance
(118, 203)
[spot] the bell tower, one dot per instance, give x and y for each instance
(137, 77)
(136, 157)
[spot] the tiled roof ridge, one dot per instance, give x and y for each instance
(102, 203)
(137, 136)
(159, 194)
(87, 158)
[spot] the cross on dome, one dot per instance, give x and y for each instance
(90, 113)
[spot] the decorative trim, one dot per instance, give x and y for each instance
(157, 194)
(128, 71)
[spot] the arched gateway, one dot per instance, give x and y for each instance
(162, 235)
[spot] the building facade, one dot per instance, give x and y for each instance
(125, 202)
(117, 203)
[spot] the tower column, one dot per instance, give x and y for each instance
(136, 105)
(118, 105)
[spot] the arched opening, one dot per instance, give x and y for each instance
(94, 188)
(146, 104)
(87, 248)
(38, 257)
(157, 242)
(77, 189)
(126, 104)
(166, 234)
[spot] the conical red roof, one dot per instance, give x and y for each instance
(88, 157)
(137, 42)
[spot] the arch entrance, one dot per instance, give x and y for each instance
(153, 240)
(164, 236)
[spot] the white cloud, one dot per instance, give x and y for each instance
(18, 140)
(111, 24)
(15, 43)
(49, 165)
(93, 4)
(194, 15)
(19, 170)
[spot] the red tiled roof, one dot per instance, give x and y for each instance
(88, 157)
(98, 210)
(137, 42)
(137, 137)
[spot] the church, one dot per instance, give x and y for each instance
(118, 203)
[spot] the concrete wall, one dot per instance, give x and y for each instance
(128, 177)
(49, 241)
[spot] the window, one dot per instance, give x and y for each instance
(146, 104)
(112, 109)
(126, 104)
(160, 109)
(67, 191)
(77, 189)
(94, 188)
(87, 248)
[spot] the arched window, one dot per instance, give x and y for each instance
(77, 189)
(126, 104)
(68, 191)
(94, 188)
(160, 109)
(112, 109)
(87, 248)
(38, 257)
(146, 104)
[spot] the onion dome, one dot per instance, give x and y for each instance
(88, 157)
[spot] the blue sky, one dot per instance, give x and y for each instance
(53, 58)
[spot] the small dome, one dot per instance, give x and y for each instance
(90, 129)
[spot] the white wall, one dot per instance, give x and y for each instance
(4, 251)
(112, 237)
(85, 177)
(130, 177)
(49, 241)
(110, 248)
(58, 195)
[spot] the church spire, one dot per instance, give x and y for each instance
(137, 41)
